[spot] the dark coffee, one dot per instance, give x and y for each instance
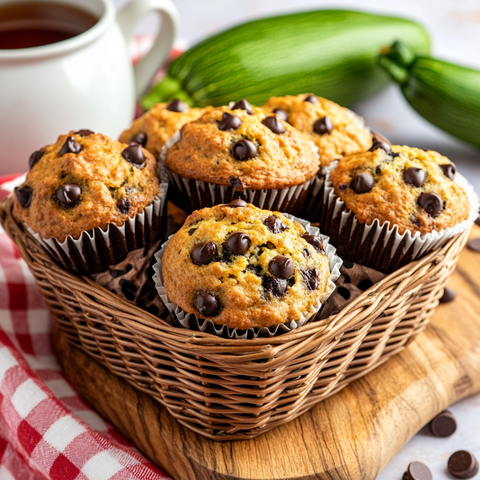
(33, 24)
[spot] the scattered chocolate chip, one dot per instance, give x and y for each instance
(123, 205)
(277, 287)
(431, 203)
(204, 253)
(344, 292)
(315, 241)
(378, 170)
(238, 243)
(139, 138)
(68, 195)
(134, 154)
(449, 295)
(237, 203)
(281, 267)
(244, 150)
(306, 253)
(417, 471)
(229, 122)
(379, 144)
(311, 99)
(274, 224)
(243, 105)
(35, 158)
(343, 186)
(463, 464)
(236, 182)
(177, 105)
(70, 146)
(380, 138)
(415, 176)
(474, 245)
(323, 126)
(449, 170)
(24, 195)
(207, 304)
(310, 277)
(443, 425)
(281, 114)
(274, 124)
(84, 132)
(362, 183)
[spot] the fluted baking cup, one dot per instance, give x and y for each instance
(192, 322)
(381, 246)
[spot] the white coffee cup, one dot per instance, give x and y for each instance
(87, 81)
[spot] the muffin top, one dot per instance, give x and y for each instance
(244, 267)
(243, 145)
(335, 130)
(155, 127)
(85, 180)
(408, 187)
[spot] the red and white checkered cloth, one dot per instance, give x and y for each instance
(46, 429)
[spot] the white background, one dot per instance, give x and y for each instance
(454, 27)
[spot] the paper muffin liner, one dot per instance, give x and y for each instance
(190, 195)
(381, 246)
(192, 322)
(95, 250)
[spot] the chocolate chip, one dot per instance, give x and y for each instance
(134, 154)
(177, 105)
(236, 182)
(277, 287)
(474, 245)
(274, 224)
(417, 471)
(449, 295)
(463, 464)
(281, 114)
(449, 170)
(244, 150)
(70, 146)
(84, 132)
(68, 195)
(306, 253)
(362, 183)
(140, 138)
(229, 122)
(207, 304)
(311, 99)
(238, 243)
(310, 277)
(431, 203)
(343, 186)
(35, 158)
(378, 170)
(243, 105)
(123, 205)
(274, 124)
(204, 253)
(323, 126)
(315, 241)
(237, 203)
(379, 144)
(281, 267)
(380, 138)
(415, 220)
(24, 195)
(415, 176)
(443, 425)
(191, 231)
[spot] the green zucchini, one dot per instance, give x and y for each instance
(332, 53)
(443, 93)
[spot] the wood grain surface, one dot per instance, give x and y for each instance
(349, 436)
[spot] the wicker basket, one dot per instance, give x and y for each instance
(229, 389)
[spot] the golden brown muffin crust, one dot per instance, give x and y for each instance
(205, 152)
(349, 134)
(242, 283)
(105, 178)
(394, 200)
(159, 124)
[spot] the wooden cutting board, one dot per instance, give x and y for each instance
(350, 436)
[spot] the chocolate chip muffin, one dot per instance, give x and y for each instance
(243, 150)
(335, 130)
(154, 128)
(244, 267)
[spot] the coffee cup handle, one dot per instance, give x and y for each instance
(148, 66)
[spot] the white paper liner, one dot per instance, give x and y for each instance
(207, 325)
(381, 235)
(73, 253)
